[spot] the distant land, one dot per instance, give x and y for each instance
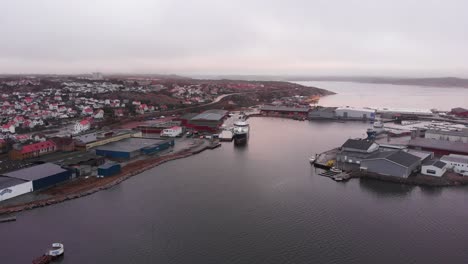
(430, 82)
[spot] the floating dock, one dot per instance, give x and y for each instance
(8, 219)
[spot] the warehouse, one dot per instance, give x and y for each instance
(210, 120)
(42, 176)
(455, 136)
(353, 113)
(391, 163)
(439, 147)
(320, 112)
(435, 168)
(12, 187)
(133, 147)
(109, 169)
(271, 110)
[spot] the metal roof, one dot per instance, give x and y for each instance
(6, 182)
(283, 108)
(361, 144)
(213, 115)
(439, 144)
(463, 133)
(439, 164)
(455, 158)
(36, 172)
(324, 109)
(403, 158)
(399, 157)
(130, 144)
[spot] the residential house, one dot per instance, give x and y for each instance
(81, 126)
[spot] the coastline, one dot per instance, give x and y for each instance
(80, 188)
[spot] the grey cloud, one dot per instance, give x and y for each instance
(235, 37)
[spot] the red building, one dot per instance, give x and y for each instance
(32, 150)
(460, 112)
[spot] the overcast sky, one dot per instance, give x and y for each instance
(329, 37)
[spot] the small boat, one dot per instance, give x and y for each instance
(55, 252)
(378, 124)
(335, 169)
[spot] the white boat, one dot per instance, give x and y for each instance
(241, 132)
(378, 124)
(56, 250)
(334, 169)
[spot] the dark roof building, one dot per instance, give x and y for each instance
(396, 163)
(42, 176)
(320, 112)
(360, 145)
(210, 120)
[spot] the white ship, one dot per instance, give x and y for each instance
(241, 132)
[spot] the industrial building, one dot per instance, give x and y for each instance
(459, 111)
(397, 163)
(401, 113)
(439, 147)
(133, 147)
(355, 150)
(109, 169)
(354, 113)
(30, 179)
(210, 120)
(12, 187)
(92, 140)
(271, 110)
(458, 163)
(448, 135)
(156, 126)
(434, 168)
(320, 112)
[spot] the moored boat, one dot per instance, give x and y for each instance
(241, 132)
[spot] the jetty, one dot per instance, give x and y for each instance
(8, 219)
(326, 160)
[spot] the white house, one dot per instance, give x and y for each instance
(435, 168)
(459, 163)
(81, 126)
(10, 127)
(99, 114)
(172, 132)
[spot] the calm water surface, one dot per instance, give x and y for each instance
(258, 204)
(387, 95)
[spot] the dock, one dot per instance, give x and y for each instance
(326, 160)
(8, 219)
(337, 176)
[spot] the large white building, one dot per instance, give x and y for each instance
(459, 163)
(355, 113)
(455, 136)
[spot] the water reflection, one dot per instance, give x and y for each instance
(385, 189)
